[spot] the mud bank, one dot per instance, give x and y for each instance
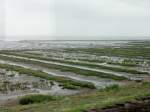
(141, 105)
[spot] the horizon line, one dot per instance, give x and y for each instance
(80, 40)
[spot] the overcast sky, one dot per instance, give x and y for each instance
(75, 19)
(2, 22)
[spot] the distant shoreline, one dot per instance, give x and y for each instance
(73, 40)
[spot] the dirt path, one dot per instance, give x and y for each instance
(142, 105)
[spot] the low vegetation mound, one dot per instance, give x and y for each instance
(30, 99)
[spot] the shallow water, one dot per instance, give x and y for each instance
(99, 82)
(55, 89)
(127, 75)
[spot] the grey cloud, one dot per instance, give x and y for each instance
(102, 18)
(2, 20)
(28, 17)
(73, 19)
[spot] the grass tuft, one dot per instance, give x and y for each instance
(30, 99)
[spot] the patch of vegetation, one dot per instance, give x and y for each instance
(66, 68)
(7, 86)
(140, 50)
(123, 64)
(33, 55)
(65, 82)
(30, 99)
(116, 69)
(112, 87)
(146, 84)
(97, 99)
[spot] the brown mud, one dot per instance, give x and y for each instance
(141, 105)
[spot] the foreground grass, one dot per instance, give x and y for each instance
(65, 68)
(63, 81)
(97, 99)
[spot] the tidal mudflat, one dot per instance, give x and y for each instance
(59, 74)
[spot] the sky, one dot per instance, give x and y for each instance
(2, 22)
(74, 19)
